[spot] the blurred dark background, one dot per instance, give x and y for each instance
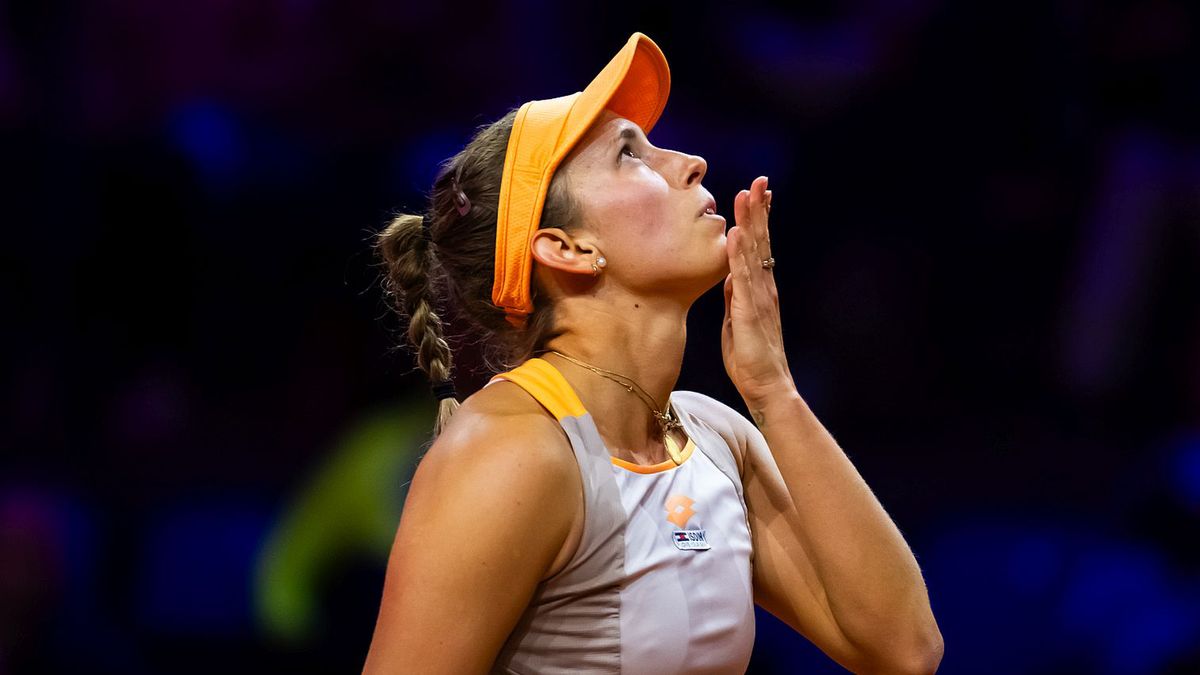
(988, 236)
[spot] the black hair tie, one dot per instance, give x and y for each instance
(444, 389)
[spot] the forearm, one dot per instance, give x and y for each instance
(873, 584)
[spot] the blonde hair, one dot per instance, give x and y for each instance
(455, 267)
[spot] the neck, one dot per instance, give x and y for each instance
(643, 343)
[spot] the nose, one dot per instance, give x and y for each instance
(675, 164)
(695, 168)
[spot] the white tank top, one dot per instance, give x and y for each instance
(661, 581)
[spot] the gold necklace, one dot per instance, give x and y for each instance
(665, 419)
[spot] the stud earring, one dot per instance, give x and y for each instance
(600, 262)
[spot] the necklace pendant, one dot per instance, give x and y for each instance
(673, 450)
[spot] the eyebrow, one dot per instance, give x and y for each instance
(628, 131)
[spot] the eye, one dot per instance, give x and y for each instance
(630, 149)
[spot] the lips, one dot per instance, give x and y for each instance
(710, 204)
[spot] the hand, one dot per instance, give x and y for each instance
(752, 334)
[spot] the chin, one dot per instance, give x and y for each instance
(720, 267)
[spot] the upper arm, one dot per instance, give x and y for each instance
(786, 583)
(487, 511)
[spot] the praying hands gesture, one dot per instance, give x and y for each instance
(751, 334)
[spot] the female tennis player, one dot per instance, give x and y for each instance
(577, 514)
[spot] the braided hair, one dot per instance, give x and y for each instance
(446, 258)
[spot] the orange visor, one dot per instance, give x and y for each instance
(634, 85)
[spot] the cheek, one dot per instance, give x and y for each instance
(638, 209)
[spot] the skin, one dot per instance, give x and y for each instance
(640, 206)
(828, 560)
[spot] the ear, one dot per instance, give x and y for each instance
(554, 248)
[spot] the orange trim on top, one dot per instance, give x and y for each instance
(545, 383)
(661, 466)
(541, 379)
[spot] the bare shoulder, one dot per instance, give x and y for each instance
(503, 435)
(503, 421)
(485, 518)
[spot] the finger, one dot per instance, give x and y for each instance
(728, 296)
(746, 244)
(767, 220)
(762, 213)
(758, 189)
(733, 251)
(756, 246)
(754, 220)
(737, 258)
(746, 291)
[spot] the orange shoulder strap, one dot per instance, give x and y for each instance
(543, 381)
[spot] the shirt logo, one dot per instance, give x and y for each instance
(679, 512)
(690, 540)
(679, 509)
